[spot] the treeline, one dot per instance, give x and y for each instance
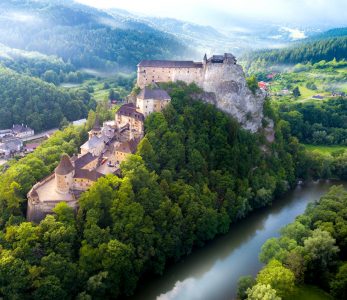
(27, 100)
(304, 52)
(319, 123)
(310, 250)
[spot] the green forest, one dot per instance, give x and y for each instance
(311, 250)
(30, 101)
(302, 52)
(318, 123)
(186, 184)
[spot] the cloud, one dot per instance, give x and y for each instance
(303, 12)
(294, 34)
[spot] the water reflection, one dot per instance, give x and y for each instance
(212, 271)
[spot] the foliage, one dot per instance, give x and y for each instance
(25, 100)
(244, 283)
(278, 277)
(296, 92)
(318, 245)
(252, 83)
(262, 292)
(323, 123)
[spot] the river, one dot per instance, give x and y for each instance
(212, 272)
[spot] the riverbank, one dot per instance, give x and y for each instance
(212, 272)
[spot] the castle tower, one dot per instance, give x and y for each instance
(64, 174)
(96, 130)
(204, 61)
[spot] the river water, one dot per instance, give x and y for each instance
(212, 272)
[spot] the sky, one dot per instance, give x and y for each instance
(219, 12)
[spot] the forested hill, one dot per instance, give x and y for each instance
(40, 105)
(84, 36)
(326, 47)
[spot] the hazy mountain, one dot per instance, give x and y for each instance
(84, 36)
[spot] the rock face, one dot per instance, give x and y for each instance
(222, 80)
(227, 83)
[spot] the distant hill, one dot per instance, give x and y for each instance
(335, 32)
(83, 36)
(325, 46)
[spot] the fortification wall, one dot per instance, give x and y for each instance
(147, 75)
(38, 211)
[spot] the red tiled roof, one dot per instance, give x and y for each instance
(65, 166)
(169, 64)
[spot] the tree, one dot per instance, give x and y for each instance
(244, 283)
(321, 252)
(321, 249)
(276, 248)
(262, 292)
(296, 92)
(252, 83)
(339, 283)
(111, 95)
(278, 277)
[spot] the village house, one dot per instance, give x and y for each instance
(22, 131)
(10, 146)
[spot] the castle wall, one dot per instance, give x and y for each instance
(147, 75)
(121, 156)
(82, 184)
(38, 211)
(148, 106)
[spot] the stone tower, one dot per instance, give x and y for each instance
(96, 130)
(64, 174)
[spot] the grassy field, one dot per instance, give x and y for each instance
(325, 149)
(325, 80)
(307, 292)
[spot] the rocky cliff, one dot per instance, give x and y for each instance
(225, 86)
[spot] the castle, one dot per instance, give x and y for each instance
(149, 71)
(220, 77)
